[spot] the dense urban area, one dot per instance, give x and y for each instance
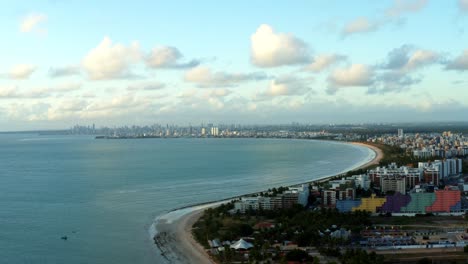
(409, 208)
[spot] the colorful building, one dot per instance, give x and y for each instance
(395, 202)
(445, 201)
(371, 204)
(440, 201)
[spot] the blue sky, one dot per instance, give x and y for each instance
(145, 62)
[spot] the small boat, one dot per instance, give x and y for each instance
(64, 237)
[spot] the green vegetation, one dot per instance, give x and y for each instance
(296, 225)
(397, 155)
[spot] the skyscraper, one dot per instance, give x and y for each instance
(400, 133)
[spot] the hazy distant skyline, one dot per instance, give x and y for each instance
(144, 62)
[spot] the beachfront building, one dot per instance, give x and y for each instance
(287, 199)
(361, 181)
(393, 183)
(444, 168)
(301, 192)
(412, 176)
(329, 198)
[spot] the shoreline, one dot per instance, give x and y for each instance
(174, 237)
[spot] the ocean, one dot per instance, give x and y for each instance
(104, 195)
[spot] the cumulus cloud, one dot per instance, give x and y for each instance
(284, 86)
(168, 57)
(395, 73)
(111, 61)
(271, 49)
(31, 23)
(324, 61)
(359, 25)
(398, 58)
(64, 71)
(21, 71)
(221, 92)
(26, 111)
(41, 92)
(205, 77)
(407, 58)
(460, 63)
(392, 14)
(421, 58)
(8, 92)
(401, 7)
(354, 75)
(53, 89)
(146, 86)
(463, 5)
(392, 81)
(66, 109)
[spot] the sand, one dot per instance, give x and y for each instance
(378, 154)
(174, 237)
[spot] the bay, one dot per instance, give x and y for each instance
(105, 194)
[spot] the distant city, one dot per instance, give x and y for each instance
(350, 132)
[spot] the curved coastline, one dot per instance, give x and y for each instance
(172, 234)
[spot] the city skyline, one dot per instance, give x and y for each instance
(309, 62)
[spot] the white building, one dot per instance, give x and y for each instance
(303, 193)
(400, 133)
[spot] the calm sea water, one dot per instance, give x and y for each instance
(104, 194)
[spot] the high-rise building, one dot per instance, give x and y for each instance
(214, 131)
(400, 133)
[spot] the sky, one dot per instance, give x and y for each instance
(244, 62)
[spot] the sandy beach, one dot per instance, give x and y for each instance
(176, 243)
(378, 154)
(174, 238)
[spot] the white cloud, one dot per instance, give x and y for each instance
(401, 7)
(271, 49)
(42, 92)
(221, 92)
(31, 22)
(8, 92)
(188, 93)
(421, 58)
(284, 86)
(277, 89)
(359, 25)
(168, 57)
(54, 89)
(64, 71)
(392, 81)
(205, 77)
(27, 111)
(324, 61)
(146, 86)
(110, 61)
(66, 109)
(460, 63)
(355, 75)
(463, 5)
(21, 71)
(407, 58)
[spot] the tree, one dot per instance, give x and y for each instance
(297, 255)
